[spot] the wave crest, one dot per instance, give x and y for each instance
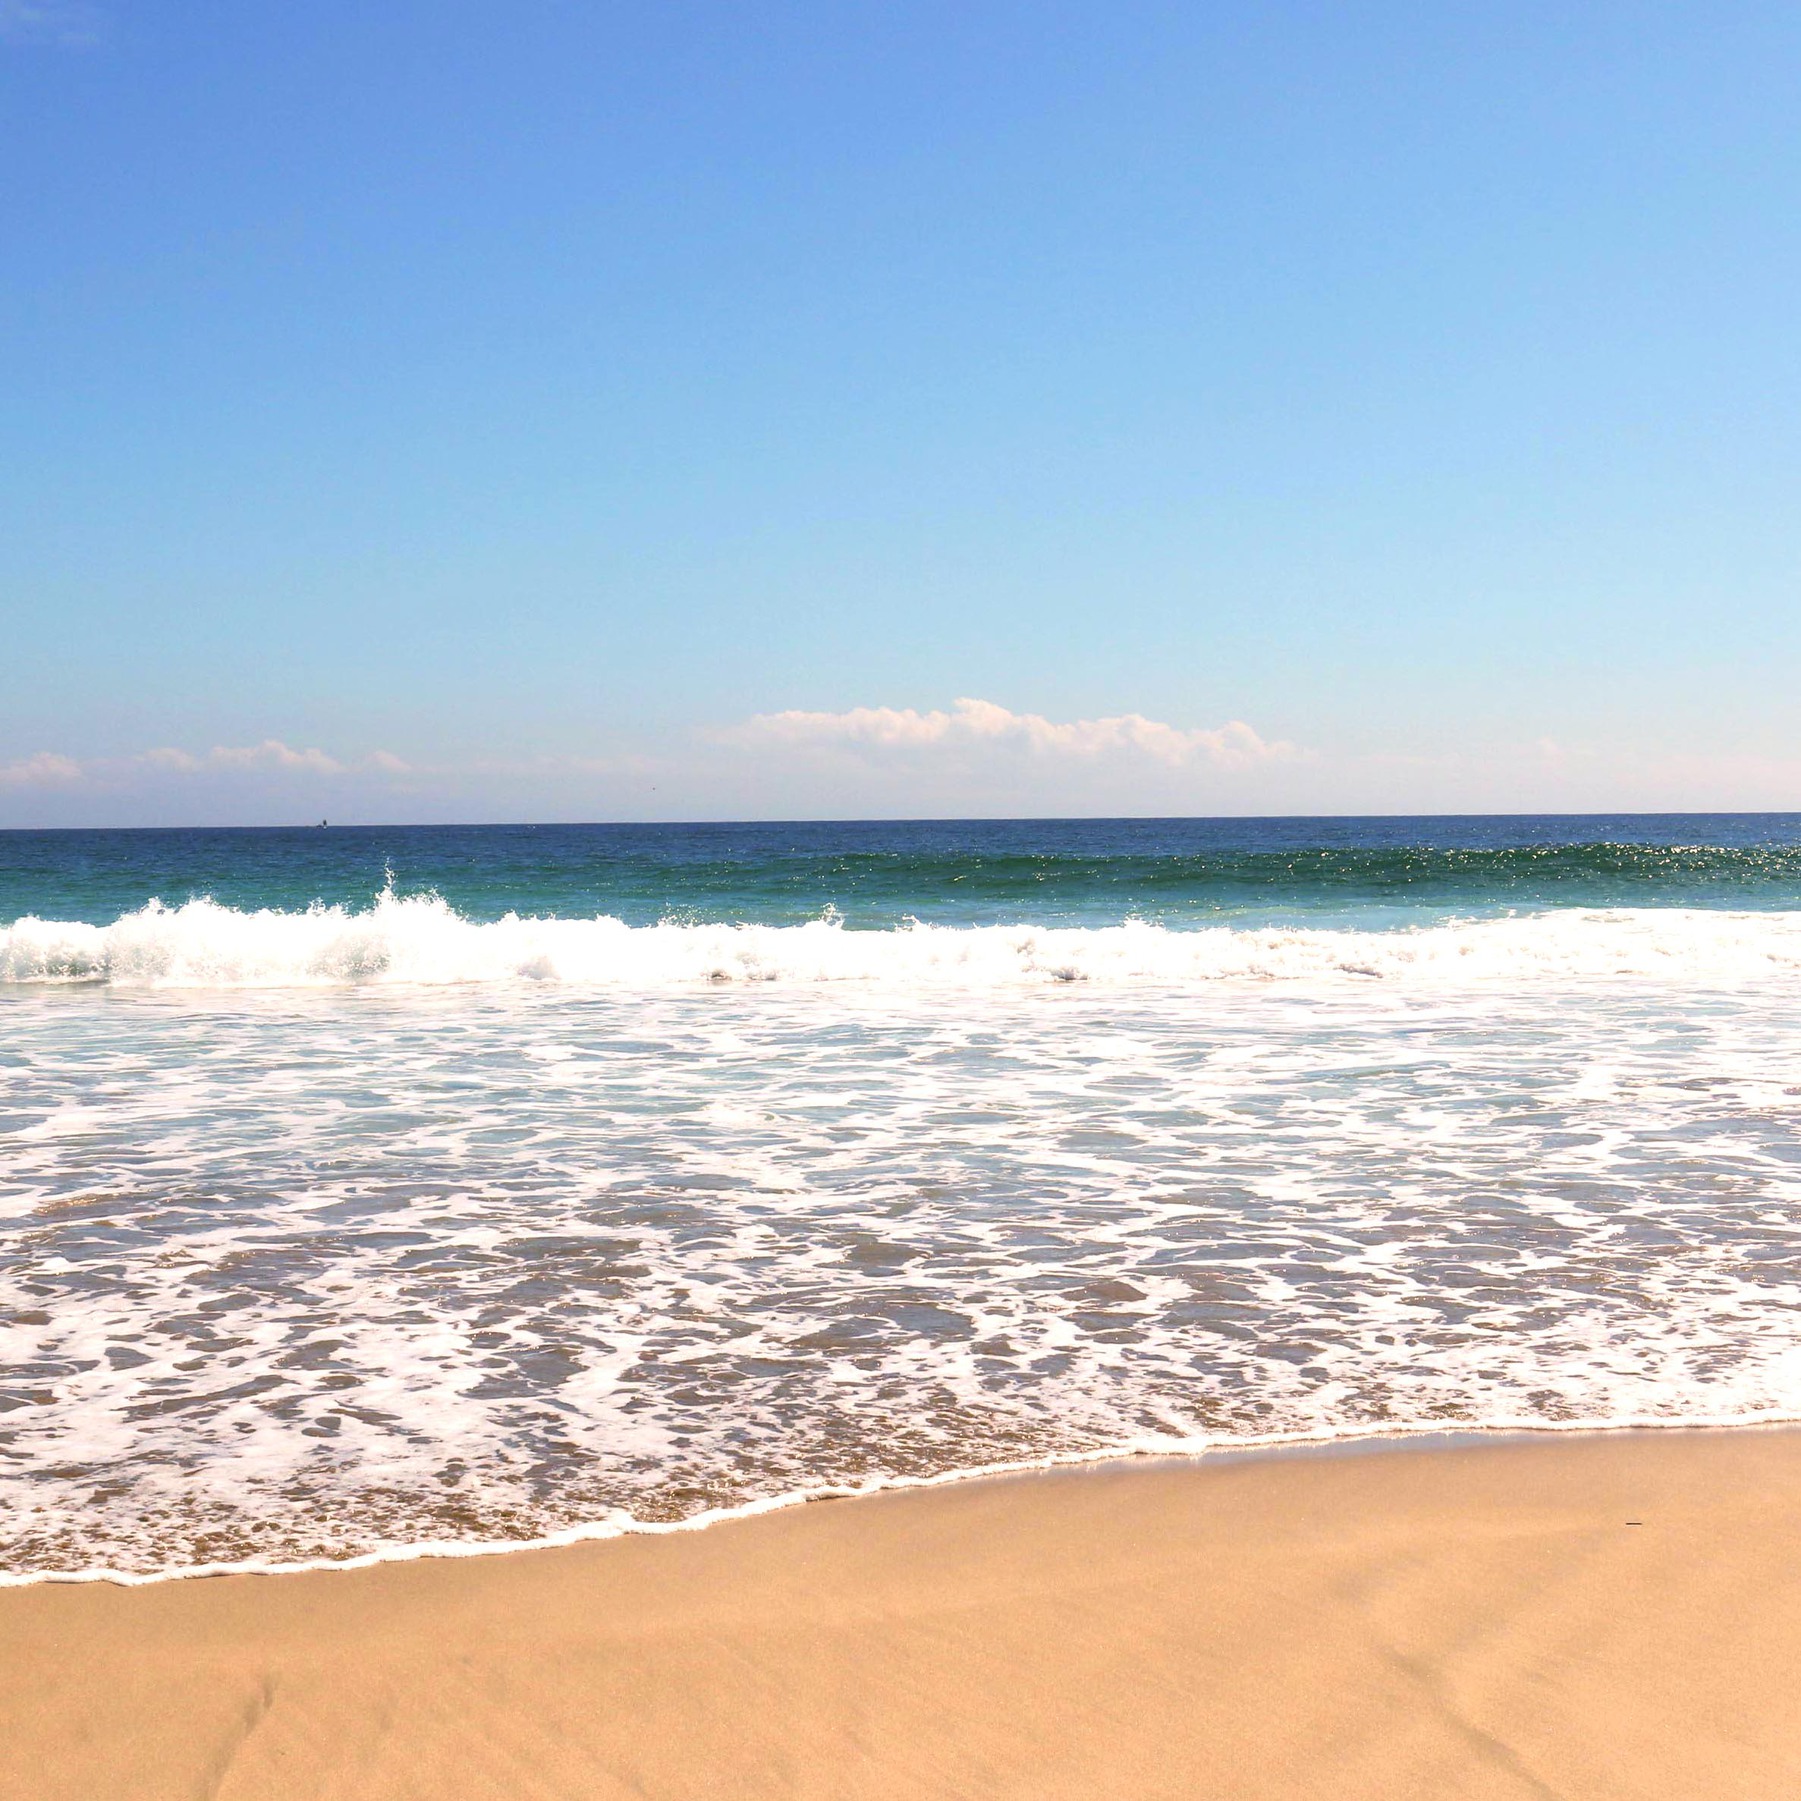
(422, 940)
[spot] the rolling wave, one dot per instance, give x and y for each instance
(422, 940)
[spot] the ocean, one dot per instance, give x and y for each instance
(369, 1191)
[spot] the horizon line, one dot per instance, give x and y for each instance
(519, 825)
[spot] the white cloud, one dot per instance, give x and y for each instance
(972, 758)
(44, 769)
(179, 762)
(982, 724)
(271, 757)
(272, 754)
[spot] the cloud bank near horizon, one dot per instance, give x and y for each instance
(984, 725)
(51, 769)
(973, 758)
(991, 731)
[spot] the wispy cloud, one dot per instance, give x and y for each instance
(49, 769)
(43, 769)
(971, 758)
(69, 24)
(276, 763)
(271, 754)
(984, 725)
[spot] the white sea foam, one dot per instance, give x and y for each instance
(620, 1524)
(297, 1275)
(420, 940)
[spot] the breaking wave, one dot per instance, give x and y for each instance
(421, 939)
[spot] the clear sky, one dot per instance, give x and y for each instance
(577, 410)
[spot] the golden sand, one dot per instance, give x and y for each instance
(1574, 1617)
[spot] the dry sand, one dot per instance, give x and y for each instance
(1479, 1621)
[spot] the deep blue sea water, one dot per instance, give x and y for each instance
(362, 1188)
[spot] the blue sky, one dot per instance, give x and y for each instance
(416, 411)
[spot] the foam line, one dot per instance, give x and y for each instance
(622, 1525)
(421, 940)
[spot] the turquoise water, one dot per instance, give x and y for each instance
(362, 1190)
(876, 875)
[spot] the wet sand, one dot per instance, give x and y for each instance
(1611, 1616)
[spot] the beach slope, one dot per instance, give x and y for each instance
(1610, 1616)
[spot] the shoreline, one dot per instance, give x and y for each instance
(1351, 1443)
(1595, 1613)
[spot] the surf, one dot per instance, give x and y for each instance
(421, 940)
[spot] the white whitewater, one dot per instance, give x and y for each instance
(330, 1235)
(420, 940)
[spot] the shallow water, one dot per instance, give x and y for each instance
(327, 1233)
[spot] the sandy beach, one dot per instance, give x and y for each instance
(1606, 1616)
(899, 903)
